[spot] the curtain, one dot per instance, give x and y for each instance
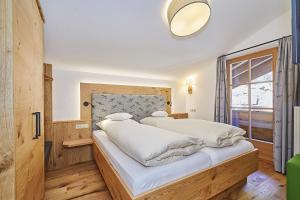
(221, 100)
(285, 82)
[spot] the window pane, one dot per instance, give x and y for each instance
(240, 118)
(240, 73)
(262, 95)
(261, 69)
(262, 125)
(239, 96)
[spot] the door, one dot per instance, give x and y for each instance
(250, 78)
(28, 99)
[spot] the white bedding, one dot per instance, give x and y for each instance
(214, 134)
(139, 178)
(219, 155)
(149, 145)
(154, 121)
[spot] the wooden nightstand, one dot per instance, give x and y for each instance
(179, 115)
(77, 143)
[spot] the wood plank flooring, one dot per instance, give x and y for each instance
(84, 182)
(80, 182)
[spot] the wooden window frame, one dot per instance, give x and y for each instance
(248, 57)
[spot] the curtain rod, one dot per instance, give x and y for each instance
(258, 45)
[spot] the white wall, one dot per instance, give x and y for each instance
(203, 96)
(66, 90)
(277, 28)
(179, 94)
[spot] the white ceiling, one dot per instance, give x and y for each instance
(131, 37)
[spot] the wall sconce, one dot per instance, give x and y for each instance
(190, 83)
(86, 104)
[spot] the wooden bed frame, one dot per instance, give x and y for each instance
(211, 183)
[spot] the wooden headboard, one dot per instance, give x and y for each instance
(61, 131)
(86, 90)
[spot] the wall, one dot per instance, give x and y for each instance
(203, 96)
(66, 83)
(66, 90)
(279, 27)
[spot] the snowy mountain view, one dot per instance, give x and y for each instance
(261, 93)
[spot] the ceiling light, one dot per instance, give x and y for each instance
(188, 16)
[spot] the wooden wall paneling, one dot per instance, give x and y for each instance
(7, 144)
(63, 157)
(179, 115)
(28, 98)
(86, 90)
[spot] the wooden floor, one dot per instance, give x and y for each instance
(84, 182)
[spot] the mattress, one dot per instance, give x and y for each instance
(219, 155)
(139, 178)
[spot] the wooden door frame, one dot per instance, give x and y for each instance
(271, 51)
(7, 139)
(266, 152)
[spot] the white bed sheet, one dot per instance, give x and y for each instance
(219, 155)
(140, 179)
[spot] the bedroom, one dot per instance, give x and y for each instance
(173, 99)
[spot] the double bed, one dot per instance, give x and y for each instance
(206, 174)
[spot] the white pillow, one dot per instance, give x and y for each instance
(119, 116)
(104, 124)
(160, 114)
(153, 121)
(108, 123)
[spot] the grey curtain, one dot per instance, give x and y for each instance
(221, 100)
(284, 100)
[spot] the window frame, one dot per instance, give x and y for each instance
(250, 108)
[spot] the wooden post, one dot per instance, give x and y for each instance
(48, 116)
(48, 101)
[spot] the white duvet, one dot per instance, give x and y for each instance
(149, 145)
(212, 133)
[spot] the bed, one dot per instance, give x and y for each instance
(203, 175)
(140, 179)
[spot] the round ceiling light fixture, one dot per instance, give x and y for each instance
(186, 17)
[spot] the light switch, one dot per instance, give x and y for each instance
(81, 126)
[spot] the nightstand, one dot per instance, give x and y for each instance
(77, 143)
(179, 115)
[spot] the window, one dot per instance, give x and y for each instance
(250, 79)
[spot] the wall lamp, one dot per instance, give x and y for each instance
(86, 104)
(190, 83)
